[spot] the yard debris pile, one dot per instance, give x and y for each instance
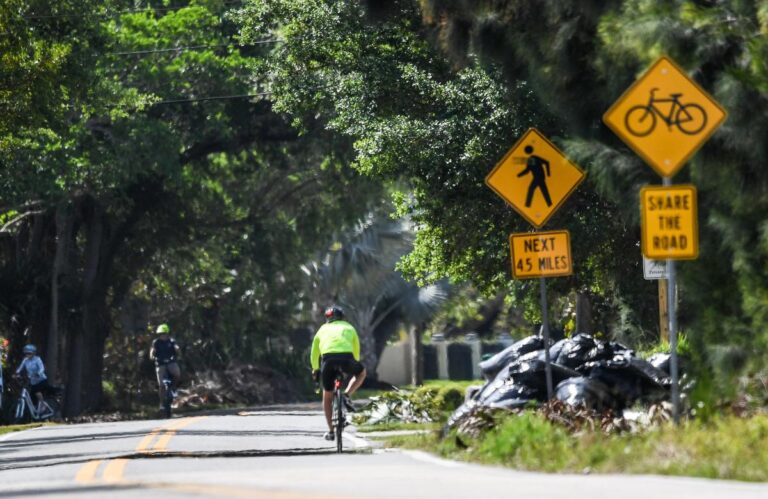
(587, 373)
(573, 419)
(239, 384)
(399, 406)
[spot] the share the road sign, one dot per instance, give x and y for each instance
(665, 117)
(669, 222)
(541, 254)
(534, 177)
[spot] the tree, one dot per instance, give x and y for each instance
(150, 169)
(413, 115)
(358, 273)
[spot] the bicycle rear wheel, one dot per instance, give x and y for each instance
(167, 402)
(339, 412)
(640, 121)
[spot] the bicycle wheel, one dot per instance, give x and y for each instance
(167, 402)
(640, 121)
(691, 119)
(339, 419)
(20, 413)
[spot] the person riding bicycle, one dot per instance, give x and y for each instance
(336, 346)
(32, 367)
(164, 352)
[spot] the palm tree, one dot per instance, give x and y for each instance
(358, 272)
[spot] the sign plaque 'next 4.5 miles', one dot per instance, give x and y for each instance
(541, 254)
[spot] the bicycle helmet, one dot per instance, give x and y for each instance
(30, 348)
(163, 329)
(333, 313)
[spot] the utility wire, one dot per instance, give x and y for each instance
(194, 47)
(116, 12)
(213, 97)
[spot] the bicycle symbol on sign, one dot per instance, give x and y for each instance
(689, 118)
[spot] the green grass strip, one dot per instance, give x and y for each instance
(727, 447)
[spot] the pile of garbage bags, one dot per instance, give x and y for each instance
(586, 372)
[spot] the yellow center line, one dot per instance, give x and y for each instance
(147, 440)
(87, 473)
(113, 471)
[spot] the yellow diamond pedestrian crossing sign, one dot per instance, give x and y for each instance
(665, 117)
(534, 177)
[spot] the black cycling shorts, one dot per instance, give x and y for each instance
(42, 387)
(332, 362)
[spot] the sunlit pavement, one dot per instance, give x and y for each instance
(281, 454)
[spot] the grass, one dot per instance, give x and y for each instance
(397, 426)
(726, 447)
(20, 427)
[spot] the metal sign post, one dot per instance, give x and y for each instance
(545, 334)
(541, 255)
(672, 311)
(535, 178)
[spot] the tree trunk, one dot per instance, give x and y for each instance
(368, 354)
(583, 313)
(64, 224)
(417, 355)
(94, 310)
(73, 402)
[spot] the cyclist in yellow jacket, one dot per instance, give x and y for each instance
(336, 347)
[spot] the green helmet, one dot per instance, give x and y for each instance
(163, 329)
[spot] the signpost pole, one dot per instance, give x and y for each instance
(672, 310)
(545, 334)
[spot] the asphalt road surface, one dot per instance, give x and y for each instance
(281, 454)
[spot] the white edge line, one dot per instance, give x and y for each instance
(429, 458)
(357, 441)
(11, 435)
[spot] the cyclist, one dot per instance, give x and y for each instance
(164, 352)
(336, 346)
(32, 367)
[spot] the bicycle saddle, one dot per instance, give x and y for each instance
(675, 95)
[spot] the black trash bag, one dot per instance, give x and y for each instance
(630, 380)
(585, 392)
(654, 377)
(461, 412)
(660, 361)
(512, 396)
(576, 351)
(492, 366)
(554, 350)
(618, 349)
(532, 373)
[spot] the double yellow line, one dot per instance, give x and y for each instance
(113, 470)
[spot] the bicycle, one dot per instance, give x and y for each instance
(26, 410)
(688, 118)
(338, 412)
(169, 395)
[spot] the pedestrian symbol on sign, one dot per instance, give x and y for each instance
(537, 189)
(535, 165)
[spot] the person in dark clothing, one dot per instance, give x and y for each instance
(536, 166)
(164, 352)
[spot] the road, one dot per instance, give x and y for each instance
(280, 454)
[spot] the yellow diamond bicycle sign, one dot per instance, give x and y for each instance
(534, 177)
(665, 117)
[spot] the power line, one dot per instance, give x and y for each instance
(116, 12)
(193, 47)
(213, 97)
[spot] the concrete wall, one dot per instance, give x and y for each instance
(442, 360)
